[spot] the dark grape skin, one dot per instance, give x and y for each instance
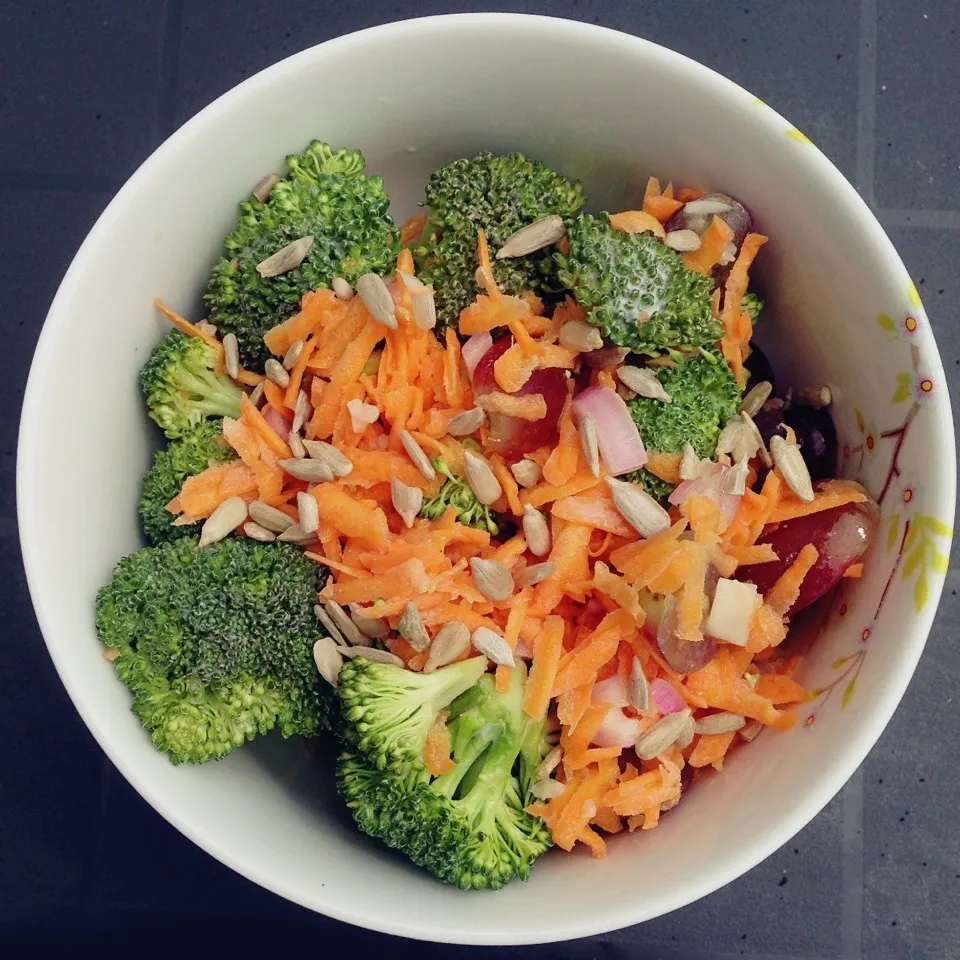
(759, 368)
(816, 434)
(737, 219)
(841, 535)
(684, 656)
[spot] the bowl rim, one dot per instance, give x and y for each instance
(820, 792)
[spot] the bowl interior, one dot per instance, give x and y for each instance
(412, 96)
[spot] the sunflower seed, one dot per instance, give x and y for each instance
(589, 446)
(546, 789)
(368, 626)
(485, 486)
(533, 237)
(341, 289)
(269, 517)
(256, 394)
(321, 614)
(493, 646)
(111, 653)
(275, 372)
(735, 479)
(205, 326)
(492, 578)
(535, 531)
(373, 654)
(819, 396)
(719, 723)
(255, 532)
(376, 298)
(412, 283)
(526, 473)
(293, 354)
(415, 452)
(790, 463)
(328, 660)
(412, 629)
(407, 501)
(548, 764)
(685, 241)
(638, 508)
(638, 690)
(580, 336)
(643, 382)
(308, 511)
(224, 520)
(533, 574)
(424, 309)
(339, 463)
(451, 641)
(295, 443)
(313, 471)
(662, 735)
(285, 259)
(480, 278)
(751, 731)
(463, 424)
(231, 355)
(685, 736)
(705, 205)
(606, 358)
(689, 463)
(262, 190)
(756, 397)
(347, 628)
(296, 534)
(301, 412)
(760, 446)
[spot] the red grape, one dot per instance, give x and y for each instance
(737, 218)
(841, 535)
(685, 656)
(512, 437)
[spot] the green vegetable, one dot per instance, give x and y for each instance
(216, 644)
(325, 196)
(752, 304)
(635, 289)
(456, 493)
(498, 194)
(182, 388)
(704, 395)
(200, 447)
(468, 826)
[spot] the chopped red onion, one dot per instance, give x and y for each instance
(617, 730)
(474, 349)
(665, 697)
(276, 420)
(709, 484)
(612, 690)
(617, 435)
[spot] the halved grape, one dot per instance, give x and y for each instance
(512, 437)
(816, 434)
(759, 367)
(842, 537)
(685, 656)
(738, 218)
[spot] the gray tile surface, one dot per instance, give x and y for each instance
(88, 89)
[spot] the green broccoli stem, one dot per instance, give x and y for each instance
(211, 395)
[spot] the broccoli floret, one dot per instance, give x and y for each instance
(468, 826)
(326, 196)
(216, 644)
(498, 194)
(704, 396)
(388, 711)
(182, 388)
(636, 290)
(753, 305)
(456, 493)
(200, 447)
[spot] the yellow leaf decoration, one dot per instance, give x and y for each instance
(893, 529)
(914, 297)
(794, 134)
(885, 322)
(923, 555)
(848, 692)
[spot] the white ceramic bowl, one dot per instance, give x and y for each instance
(412, 96)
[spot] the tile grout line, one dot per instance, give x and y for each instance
(851, 920)
(867, 101)
(169, 71)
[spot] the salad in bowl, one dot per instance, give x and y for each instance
(504, 499)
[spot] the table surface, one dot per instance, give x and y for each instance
(89, 90)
